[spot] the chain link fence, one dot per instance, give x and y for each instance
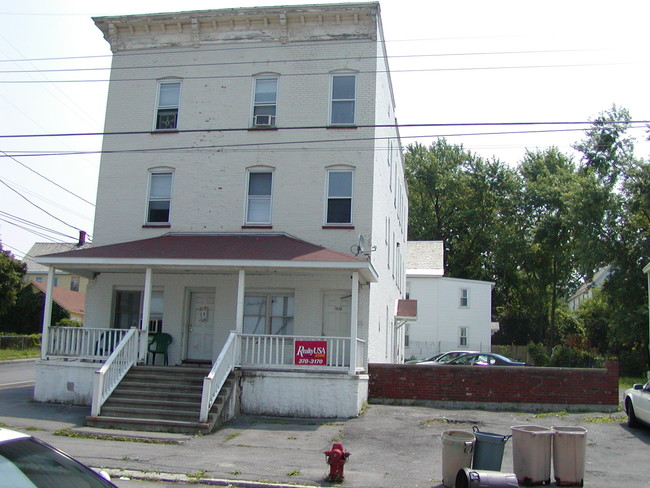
(20, 342)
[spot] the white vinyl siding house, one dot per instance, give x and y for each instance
(453, 313)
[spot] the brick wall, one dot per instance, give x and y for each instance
(566, 387)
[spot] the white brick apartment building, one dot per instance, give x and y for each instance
(245, 152)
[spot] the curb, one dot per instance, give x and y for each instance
(185, 479)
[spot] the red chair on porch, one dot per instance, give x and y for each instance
(159, 344)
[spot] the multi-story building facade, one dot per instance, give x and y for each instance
(245, 153)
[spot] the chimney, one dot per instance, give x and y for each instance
(82, 238)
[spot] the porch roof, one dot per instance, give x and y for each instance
(205, 252)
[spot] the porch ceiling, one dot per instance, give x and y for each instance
(205, 253)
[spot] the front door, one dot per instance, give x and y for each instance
(336, 323)
(200, 326)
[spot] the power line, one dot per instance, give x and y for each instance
(317, 127)
(293, 61)
(15, 220)
(38, 207)
(327, 73)
(46, 178)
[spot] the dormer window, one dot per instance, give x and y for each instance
(169, 95)
(265, 101)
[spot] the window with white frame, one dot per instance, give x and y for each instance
(464, 298)
(343, 100)
(268, 314)
(160, 197)
(258, 203)
(462, 336)
(339, 197)
(169, 95)
(265, 98)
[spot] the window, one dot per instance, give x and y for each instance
(74, 283)
(265, 102)
(268, 314)
(160, 197)
(462, 336)
(258, 205)
(169, 94)
(464, 298)
(339, 197)
(343, 99)
(128, 310)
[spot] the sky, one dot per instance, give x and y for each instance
(455, 63)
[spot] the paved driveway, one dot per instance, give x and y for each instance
(391, 446)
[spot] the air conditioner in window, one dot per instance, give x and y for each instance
(264, 120)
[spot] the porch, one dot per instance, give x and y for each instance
(294, 307)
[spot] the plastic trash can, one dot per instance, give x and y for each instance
(569, 446)
(531, 454)
(457, 450)
(488, 450)
(471, 478)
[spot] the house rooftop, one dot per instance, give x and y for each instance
(73, 301)
(42, 248)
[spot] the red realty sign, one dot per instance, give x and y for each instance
(310, 353)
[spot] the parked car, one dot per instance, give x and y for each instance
(27, 462)
(485, 359)
(445, 357)
(637, 405)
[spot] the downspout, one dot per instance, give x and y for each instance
(47, 313)
(239, 319)
(354, 323)
(146, 313)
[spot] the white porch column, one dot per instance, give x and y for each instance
(146, 313)
(354, 323)
(239, 318)
(47, 312)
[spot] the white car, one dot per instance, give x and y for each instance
(26, 462)
(637, 405)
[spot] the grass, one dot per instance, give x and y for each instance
(9, 354)
(627, 381)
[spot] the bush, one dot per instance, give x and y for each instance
(68, 323)
(569, 357)
(16, 341)
(537, 352)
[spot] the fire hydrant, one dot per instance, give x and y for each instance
(336, 458)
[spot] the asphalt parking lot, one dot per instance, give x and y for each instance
(390, 446)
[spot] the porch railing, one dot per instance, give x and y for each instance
(217, 377)
(123, 357)
(362, 355)
(278, 351)
(82, 342)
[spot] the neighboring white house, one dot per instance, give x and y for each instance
(246, 150)
(453, 313)
(586, 290)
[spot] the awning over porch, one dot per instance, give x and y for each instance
(196, 252)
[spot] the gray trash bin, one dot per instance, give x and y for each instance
(569, 445)
(470, 478)
(531, 454)
(488, 450)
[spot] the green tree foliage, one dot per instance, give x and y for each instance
(11, 275)
(25, 316)
(540, 229)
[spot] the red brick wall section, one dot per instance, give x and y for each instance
(570, 386)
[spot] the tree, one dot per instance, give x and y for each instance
(11, 276)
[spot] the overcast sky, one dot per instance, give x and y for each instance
(452, 62)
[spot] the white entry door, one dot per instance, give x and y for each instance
(336, 314)
(200, 326)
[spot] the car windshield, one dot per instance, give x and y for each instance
(26, 463)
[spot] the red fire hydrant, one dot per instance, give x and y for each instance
(336, 458)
